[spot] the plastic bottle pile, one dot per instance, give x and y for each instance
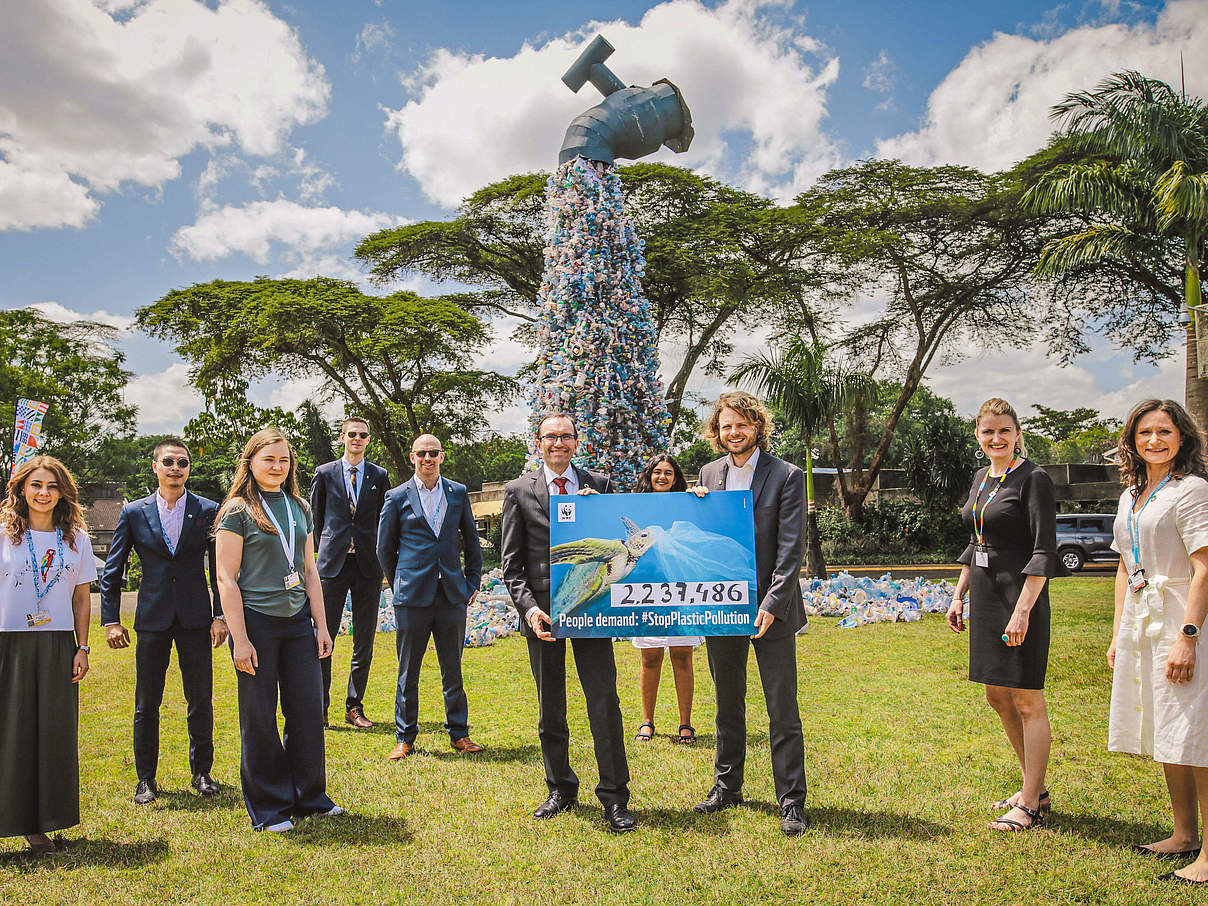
(597, 346)
(863, 600)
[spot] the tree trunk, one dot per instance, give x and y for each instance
(815, 564)
(1196, 390)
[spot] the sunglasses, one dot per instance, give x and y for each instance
(363, 435)
(433, 454)
(554, 438)
(180, 461)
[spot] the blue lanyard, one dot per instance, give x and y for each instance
(979, 527)
(163, 531)
(287, 547)
(440, 503)
(41, 592)
(1134, 523)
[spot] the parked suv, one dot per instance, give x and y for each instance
(1084, 536)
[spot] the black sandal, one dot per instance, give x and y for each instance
(690, 737)
(641, 737)
(1011, 825)
(1046, 803)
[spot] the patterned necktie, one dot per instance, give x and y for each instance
(352, 501)
(561, 483)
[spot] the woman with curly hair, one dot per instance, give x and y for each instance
(46, 565)
(273, 602)
(1159, 704)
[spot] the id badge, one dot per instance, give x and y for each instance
(293, 580)
(37, 618)
(1137, 580)
(981, 557)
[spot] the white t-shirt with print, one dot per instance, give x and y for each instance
(17, 593)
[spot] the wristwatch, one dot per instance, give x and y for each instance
(87, 649)
(1190, 631)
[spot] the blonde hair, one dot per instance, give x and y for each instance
(746, 405)
(996, 406)
(245, 493)
(68, 514)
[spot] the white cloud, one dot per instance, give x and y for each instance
(757, 91)
(879, 76)
(165, 400)
(289, 395)
(54, 311)
(95, 97)
(993, 109)
(299, 233)
(372, 37)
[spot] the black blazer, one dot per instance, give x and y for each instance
(525, 545)
(174, 585)
(336, 529)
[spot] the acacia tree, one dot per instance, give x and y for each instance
(401, 361)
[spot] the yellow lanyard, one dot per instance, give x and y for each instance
(979, 527)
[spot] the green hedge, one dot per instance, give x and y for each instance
(891, 532)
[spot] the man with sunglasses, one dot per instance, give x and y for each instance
(525, 554)
(346, 502)
(427, 525)
(170, 532)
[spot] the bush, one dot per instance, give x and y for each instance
(891, 532)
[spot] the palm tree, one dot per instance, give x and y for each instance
(808, 391)
(1141, 180)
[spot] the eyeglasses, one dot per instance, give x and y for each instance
(170, 461)
(555, 438)
(434, 454)
(363, 435)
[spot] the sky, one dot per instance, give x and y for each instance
(147, 145)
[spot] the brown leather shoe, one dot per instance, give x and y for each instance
(467, 746)
(357, 718)
(401, 751)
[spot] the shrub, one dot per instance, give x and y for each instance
(895, 531)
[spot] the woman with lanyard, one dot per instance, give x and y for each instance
(273, 604)
(1159, 704)
(1012, 554)
(46, 565)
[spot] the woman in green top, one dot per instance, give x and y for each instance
(274, 609)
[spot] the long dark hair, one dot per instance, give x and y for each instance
(1189, 460)
(643, 486)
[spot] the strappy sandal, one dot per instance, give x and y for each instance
(44, 847)
(686, 738)
(1011, 825)
(645, 737)
(1046, 803)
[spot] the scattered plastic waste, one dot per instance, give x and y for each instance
(863, 600)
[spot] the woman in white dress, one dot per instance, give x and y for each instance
(1159, 703)
(660, 475)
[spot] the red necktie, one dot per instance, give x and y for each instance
(561, 483)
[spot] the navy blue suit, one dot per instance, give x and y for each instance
(175, 605)
(431, 591)
(343, 573)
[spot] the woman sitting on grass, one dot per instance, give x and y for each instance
(46, 565)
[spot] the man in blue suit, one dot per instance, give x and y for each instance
(345, 502)
(422, 521)
(170, 532)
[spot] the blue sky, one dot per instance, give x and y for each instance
(149, 144)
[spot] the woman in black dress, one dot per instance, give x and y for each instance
(1012, 554)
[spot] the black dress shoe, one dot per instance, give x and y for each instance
(206, 785)
(794, 820)
(619, 818)
(717, 800)
(145, 791)
(557, 802)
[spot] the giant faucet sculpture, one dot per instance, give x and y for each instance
(597, 344)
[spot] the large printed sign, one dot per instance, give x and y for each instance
(668, 564)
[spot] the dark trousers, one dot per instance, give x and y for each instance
(152, 653)
(776, 654)
(366, 594)
(598, 676)
(445, 623)
(282, 779)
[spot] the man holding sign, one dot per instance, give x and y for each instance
(526, 571)
(740, 426)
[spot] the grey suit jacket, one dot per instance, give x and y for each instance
(778, 489)
(524, 549)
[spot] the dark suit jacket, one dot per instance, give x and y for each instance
(335, 527)
(173, 585)
(413, 556)
(525, 545)
(778, 489)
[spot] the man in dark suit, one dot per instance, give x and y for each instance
(170, 532)
(740, 426)
(421, 523)
(345, 502)
(525, 554)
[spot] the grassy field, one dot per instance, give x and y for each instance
(903, 757)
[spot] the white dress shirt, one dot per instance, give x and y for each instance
(572, 480)
(171, 517)
(740, 479)
(433, 502)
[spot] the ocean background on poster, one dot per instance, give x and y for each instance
(676, 537)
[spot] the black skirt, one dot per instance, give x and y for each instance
(39, 723)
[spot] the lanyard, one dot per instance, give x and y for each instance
(1134, 523)
(434, 519)
(287, 547)
(163, 530)
(979, 527)
(41, 592)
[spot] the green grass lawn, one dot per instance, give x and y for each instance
(903, 757)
